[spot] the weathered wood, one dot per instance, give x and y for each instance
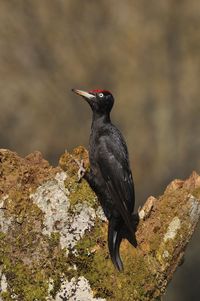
(54, 235)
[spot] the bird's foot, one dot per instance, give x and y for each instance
(145, 211)
(82, 170)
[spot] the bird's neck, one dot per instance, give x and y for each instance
(100, 119)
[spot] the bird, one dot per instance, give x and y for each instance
(110, 175)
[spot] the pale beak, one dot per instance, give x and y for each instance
(83, 93)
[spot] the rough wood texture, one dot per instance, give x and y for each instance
(53, 235)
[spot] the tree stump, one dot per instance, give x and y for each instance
(54, 235)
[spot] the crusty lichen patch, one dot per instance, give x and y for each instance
(59, 216)
(75, 289)
(194, 208)
(172, 229)
(3, 284)
(5, 221)
(52, 199)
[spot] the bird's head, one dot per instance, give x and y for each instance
(100, 101)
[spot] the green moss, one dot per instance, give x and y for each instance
(93, 262)
(55, 239)
(166, 215)
(2, 236)
(30, 281)
(6, 296)
(141, 279)
(80, 192)
(26, 283)
(196, 193)
(166, 250)
(29, 259)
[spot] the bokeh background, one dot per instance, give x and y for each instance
(146, 52)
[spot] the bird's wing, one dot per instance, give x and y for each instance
(114, 166)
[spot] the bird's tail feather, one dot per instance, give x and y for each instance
(117, 230)
(114, 240)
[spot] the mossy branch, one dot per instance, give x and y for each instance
(54, 235)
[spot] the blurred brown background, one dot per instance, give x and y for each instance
(146, 52)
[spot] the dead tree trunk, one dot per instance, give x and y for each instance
(54, 235)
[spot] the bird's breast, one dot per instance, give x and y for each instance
(93, 152)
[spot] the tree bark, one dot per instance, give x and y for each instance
(54, 235)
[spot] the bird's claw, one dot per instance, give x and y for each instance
(82, 170)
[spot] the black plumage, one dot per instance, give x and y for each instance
(110, 176)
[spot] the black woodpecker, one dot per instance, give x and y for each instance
(110, 175)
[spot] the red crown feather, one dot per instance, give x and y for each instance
(99, 91)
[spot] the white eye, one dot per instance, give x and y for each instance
(101, 95)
